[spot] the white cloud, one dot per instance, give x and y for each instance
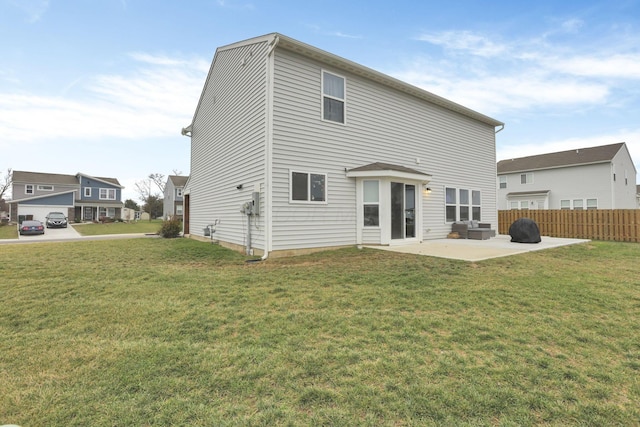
(626, 66)
(156, 100)
(525, 74)
(467, 41)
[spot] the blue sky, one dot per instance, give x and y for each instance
(104, 87)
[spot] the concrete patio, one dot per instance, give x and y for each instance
(478, 250)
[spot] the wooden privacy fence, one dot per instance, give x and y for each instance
(621, 225)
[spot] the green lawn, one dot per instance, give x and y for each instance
(8, 231)
(179, 332)
(95, 229)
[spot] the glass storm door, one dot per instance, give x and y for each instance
(403, 210)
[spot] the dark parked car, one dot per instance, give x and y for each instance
(31, 227)
(56, 219)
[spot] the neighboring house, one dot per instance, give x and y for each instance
(602, 177)
(81, 197)
(638, 196)
(173, 196)
(294, 148)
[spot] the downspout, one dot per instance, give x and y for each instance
(268, 152)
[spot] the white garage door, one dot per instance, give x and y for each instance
(40, 212)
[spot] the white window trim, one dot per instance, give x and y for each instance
(108, 190)
(178, 192)
(528, 178)
(322, 96)
(26, 189)
(502, 179)
(370, 227)
(308, 202)
(87, 191)
(470, 205)
(44, 187)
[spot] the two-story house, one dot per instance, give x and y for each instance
(173, 199)
(602, 177)
(294, 148)
(81, 197)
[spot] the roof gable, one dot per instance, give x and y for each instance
(581, 156)
(280, 41)
(110, 181)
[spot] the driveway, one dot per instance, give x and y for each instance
(53, 234)
(68, 234)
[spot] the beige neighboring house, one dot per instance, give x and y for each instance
(638, 196)
(294, 149)
(602, 177)
(173, 199)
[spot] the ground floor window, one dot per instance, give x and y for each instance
(578, 204)
(308, 187)
(107, 212)
(371, 203)
(462, 204)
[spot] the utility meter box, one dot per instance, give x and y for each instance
(255, 201)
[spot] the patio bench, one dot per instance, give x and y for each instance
(473, 230)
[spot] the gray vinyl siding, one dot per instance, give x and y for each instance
(568, 183)
(168, 202)
(18, 189)
(624, 187)
(228, 144)
(382, 125)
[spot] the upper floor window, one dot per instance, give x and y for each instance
(526, 178)
(592, 204)
(178, 192)
(87, 191)
(503, 181)
(308, 187)
(107, 194)
(28, 189)
(333, 97)
(45, 187)
(565, 204)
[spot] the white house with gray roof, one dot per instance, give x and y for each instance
(173, 199)
(294, 148)
(602, 177)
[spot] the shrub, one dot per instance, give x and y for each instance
(171, 228)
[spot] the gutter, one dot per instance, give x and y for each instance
(268, 152)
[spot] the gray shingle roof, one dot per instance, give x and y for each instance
(385, 167)
(43, 178)
(178, 180)
(582, 156)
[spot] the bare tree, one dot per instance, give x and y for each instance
(5, 182)
(158, 180)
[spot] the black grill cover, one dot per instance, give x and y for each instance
(525, 230)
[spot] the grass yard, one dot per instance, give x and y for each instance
(95, 229)
(155, 332)
(8, 231)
